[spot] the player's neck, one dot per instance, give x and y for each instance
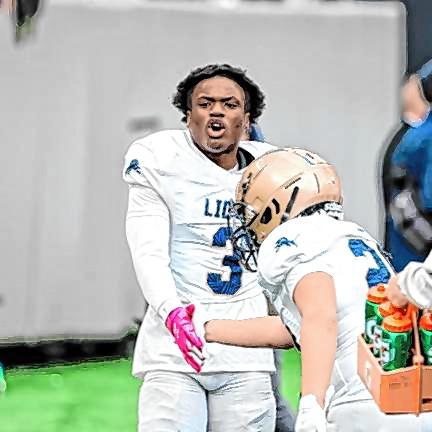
(225, 160)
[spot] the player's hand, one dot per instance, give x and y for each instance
(311, 417)
(179, 323)
(394, 294)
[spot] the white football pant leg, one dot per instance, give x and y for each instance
(365, 416)
(171, 402)
(243, 402)
(426, 422)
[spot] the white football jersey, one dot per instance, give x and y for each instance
(345, 251)
(197, 193)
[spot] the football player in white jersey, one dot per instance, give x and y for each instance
(181, 183)
(316, 270)
(284, 415)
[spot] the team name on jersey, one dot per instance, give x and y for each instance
(217, 208)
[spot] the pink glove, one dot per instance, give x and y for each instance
(179, 323)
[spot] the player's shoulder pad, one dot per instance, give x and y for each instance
(281, 252)
(301, 240)
(256, 148)
(353, 229)
(156, 152)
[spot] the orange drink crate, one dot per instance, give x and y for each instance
(404, 390)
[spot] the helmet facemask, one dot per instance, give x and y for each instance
(249, 227)
(243, 238)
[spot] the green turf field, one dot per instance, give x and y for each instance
(89, 397)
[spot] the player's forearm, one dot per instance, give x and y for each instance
(148, 234)
(157, 286)
(156, 281)
(260, 332)
(318, 350)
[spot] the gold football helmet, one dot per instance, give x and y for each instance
(278, 186)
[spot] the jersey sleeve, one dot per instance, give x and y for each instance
(319, 264)
(284, 262)
(148, 232)
(142, 165)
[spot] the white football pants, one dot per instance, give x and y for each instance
(365, 416)
(223, 402)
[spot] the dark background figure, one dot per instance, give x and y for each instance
(23, 13)
(419, 32)
(255, 133)
(407, 175)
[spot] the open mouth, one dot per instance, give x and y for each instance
(215, 128)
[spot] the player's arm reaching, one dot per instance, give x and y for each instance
(148, 234)
(315, 297)
(263, 332)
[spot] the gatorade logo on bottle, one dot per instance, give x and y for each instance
(425, 332)
(396, 341)
(376, 296)
(386, 353)
(384, 310)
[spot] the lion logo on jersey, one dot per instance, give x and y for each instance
(283, 241)
(134, 166)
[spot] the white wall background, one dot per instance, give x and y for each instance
(95, 77)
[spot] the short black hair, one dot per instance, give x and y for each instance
(254, 97)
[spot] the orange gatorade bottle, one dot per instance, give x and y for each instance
(425, 332)
(384, 310)
(396, 341)
(376, 296)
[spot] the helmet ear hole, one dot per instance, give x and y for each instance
(266, 216)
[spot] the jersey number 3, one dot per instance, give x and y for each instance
(374, 276)
(214, 280)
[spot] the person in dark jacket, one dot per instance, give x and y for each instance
(407, 175)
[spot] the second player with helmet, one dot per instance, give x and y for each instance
(316, 269)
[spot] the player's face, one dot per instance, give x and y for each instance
(217, 118)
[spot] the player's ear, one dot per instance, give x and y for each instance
(188, 115)
(247, 122)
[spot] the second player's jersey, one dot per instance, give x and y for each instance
(342, 249)
(197, 193)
